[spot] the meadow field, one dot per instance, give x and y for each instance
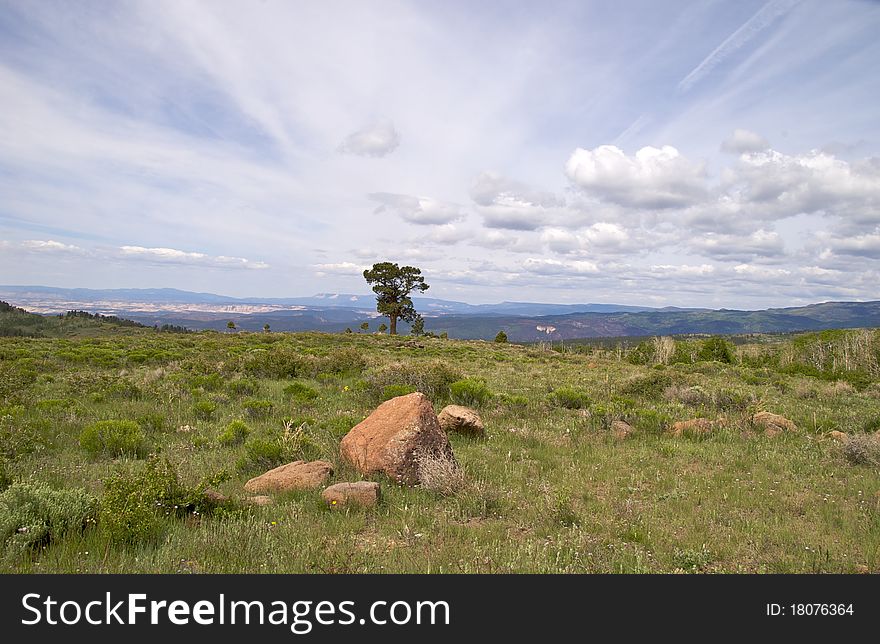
(109, 441)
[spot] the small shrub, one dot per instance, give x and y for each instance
(137, 504)
(204, 409)
(113, 437)
(514, 401)
(501, 337)
(570, 398)
(563, 511)
(472, 392)
(257, 408)
(133, 506)
(266, 451)
(862, 449)
(433, 378)
(235, 432)
(342, 361)
(33, 514)
(716, 350)
(692, 560)
(152, 423)
(693, 396)
(300, 392)
(393, 391)
(872, 424)
(651, 385)
(242, 387)
(439, 473)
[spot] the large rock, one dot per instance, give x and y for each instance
(692, 427)
(390, 439)
(299, 475)
(773, 424)
(455, 418)
(363, 493)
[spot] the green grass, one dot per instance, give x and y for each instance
(548, 490)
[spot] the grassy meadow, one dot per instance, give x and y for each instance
(108, 443)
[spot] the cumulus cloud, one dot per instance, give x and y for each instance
(417, 210)
(777, 185)
(742, 141)
(601, 236)
(760, 243)
(506, 203)
(174, 256)
(376, 140)
(653, 178)
(866, 245)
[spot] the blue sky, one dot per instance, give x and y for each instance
(705, 153)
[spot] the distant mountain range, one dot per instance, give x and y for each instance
(521, 321)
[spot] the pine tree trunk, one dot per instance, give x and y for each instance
(393, 330)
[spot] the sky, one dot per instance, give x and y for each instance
(703, 153)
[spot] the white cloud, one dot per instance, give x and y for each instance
(654, 178)
(760, 243)
(417, 210)
(867, 245)
(682, 270)
(376, 140)
(174, 256)
(542, 266)
(601, 236)
(742, 141)
(510, 204)
(339, 268)
(50, 246)
(772, 185)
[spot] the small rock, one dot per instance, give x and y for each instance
(621, 429)
(259, 500)
(299, 475)
(390, 439)
(185, 429)
(692, 426)
(840, 437)
(213, 496)
(773, 424)
(455, 418)
(363, 493)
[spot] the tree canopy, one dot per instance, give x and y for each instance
(392, 285)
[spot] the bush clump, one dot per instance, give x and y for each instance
(33, 514)
(862, 449)
(257, 408)
(136, 506)
(433, 378)
(300, 392)
(113, 438)
(204, 409)
(393, 391)
(242, 387)
(235, 432)
(472, 392)
(569, 398)
(716, 350)
(651, 385)
(267, 451)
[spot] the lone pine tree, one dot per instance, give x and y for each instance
(392, 285)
